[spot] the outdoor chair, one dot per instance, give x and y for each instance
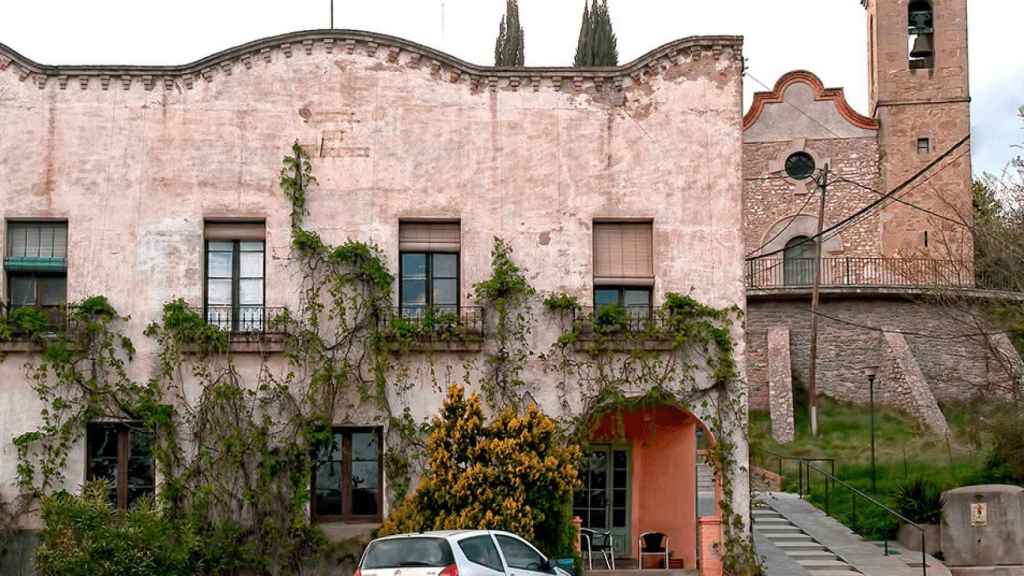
(653, 544)
(600, 541)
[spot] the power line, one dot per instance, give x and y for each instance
(792, 219)
(795, 107)
(868, 208)
(963, 336)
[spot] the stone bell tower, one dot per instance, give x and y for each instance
(919, 93)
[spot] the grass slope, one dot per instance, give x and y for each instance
(903, 451)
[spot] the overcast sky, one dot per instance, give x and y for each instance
(827, 37)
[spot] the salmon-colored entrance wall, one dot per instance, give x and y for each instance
(664, 475)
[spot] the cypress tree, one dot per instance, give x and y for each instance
(508, 48)
(597, 45)
(584, 52)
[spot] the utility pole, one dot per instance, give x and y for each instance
(332, 14)
(812, 384)
(871, 395)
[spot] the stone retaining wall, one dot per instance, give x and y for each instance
(955, 368)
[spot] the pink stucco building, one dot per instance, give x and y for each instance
(614, 185)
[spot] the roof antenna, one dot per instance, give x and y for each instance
(332, 14)
(443, 45)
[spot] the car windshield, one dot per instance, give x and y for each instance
(408, 552)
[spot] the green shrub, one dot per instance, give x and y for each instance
(562, 302)
(610, 319)
(920, 500)
(1004, 462)
(516, 473)
(28, 321)
(85, 536)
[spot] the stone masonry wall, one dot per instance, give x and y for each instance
(771, 200)
(954, 368)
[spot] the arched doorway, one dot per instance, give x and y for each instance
(640, 474)
(799, 261)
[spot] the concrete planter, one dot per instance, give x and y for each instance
(910, 537)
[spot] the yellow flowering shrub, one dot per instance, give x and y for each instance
(516, 473)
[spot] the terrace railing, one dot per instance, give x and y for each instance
(243, 319)
(779, 273)
(440, 321)
(56, 317)
(608, 320)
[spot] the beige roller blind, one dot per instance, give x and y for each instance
(623, 253)
(429, 237)
(236, 231)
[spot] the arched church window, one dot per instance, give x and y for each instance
(799, 261)
(921, 34)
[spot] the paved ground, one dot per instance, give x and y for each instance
(821, 546)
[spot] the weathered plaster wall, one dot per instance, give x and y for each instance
(136, 162)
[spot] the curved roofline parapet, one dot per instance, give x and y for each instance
(348, 41)
(834, 95)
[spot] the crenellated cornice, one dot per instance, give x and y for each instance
(390, 48)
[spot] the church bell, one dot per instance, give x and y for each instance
(923, 47)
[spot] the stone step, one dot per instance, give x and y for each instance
(834, 572)
(824, 565)
(771, 520)
(822, 554)
(787, 546)
(776, 528)
(791, 536)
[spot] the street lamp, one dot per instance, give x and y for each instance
(871, 372)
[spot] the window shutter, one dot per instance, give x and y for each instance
(623, 253)
(236, 231)
(39, 246)
(429, 237)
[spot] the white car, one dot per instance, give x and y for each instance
(455, 553)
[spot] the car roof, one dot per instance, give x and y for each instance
(438, 534)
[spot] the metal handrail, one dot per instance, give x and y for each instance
(888, 510)
(806, 465)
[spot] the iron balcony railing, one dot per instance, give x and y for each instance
(56, 317)
(768, 273)
(435, 321)
(243, 319)
(613, 319)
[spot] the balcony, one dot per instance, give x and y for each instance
(455, 328)
(767, 276)
(53, 319)
(623, 327)
(245, 319)
(249, 328)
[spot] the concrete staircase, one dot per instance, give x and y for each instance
(812, 556)
(797, 539)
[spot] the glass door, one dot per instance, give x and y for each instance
(602, 500)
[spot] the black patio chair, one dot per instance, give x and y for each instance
(600, 541)
(653, 544)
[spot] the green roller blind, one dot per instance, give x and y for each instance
(36, 246)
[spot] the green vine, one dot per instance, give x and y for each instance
(508, 293)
